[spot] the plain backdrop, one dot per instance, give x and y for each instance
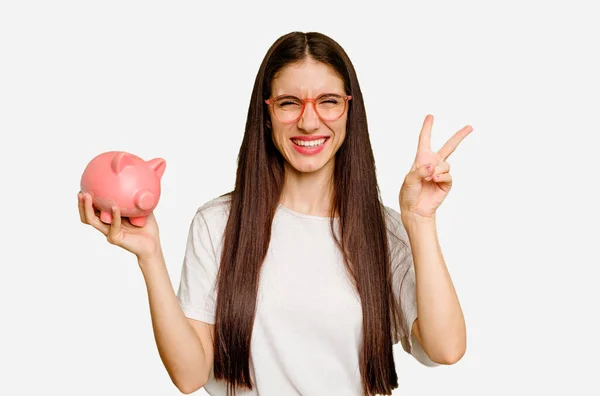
(519, 229)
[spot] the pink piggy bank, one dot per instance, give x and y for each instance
(121, 179)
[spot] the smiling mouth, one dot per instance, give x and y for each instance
(309, 143)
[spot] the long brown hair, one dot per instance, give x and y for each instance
(356, 201)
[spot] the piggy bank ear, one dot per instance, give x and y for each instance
(158, 165)
(120, 161)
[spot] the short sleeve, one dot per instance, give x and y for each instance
(405, 292)
(197, 287)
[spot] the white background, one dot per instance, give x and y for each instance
(519, 230)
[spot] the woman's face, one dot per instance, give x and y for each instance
(310, 143)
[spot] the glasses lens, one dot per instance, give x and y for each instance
(330, 107)
(287, 108)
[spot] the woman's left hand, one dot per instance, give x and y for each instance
(428, 183)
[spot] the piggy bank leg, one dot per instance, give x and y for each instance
(138, 221)
(105, 217)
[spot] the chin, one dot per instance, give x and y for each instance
(308, 165)
(307, 168)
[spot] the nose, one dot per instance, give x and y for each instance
(309, 121)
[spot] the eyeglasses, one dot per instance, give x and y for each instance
(288, 108)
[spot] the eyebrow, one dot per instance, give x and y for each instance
(287, 95)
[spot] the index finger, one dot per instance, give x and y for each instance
(115, 226)
(454, 141)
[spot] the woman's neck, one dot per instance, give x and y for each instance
(308, 193)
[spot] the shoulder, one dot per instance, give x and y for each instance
(212, 215)
(216, 207)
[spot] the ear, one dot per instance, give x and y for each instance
(158, 165)
(120, 161)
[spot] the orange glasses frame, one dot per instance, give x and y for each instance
(304, 102)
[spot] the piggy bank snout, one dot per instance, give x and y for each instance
(145, 200)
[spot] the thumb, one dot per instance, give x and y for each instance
(420, 173)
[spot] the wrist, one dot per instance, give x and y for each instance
(150, 258)
(411, 220)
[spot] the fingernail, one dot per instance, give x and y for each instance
(428, 168)
(437, 177)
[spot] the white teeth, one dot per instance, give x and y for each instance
(312, 143)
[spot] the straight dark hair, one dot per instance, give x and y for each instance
(356, 201)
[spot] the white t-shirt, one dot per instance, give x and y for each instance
(308, 327)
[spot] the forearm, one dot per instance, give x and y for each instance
(179, 346)
(440, 319)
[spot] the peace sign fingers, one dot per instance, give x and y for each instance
(425, 135)
(453, 142)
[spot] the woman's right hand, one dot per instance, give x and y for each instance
(144, 241)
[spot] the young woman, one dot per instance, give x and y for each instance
(300, 281)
